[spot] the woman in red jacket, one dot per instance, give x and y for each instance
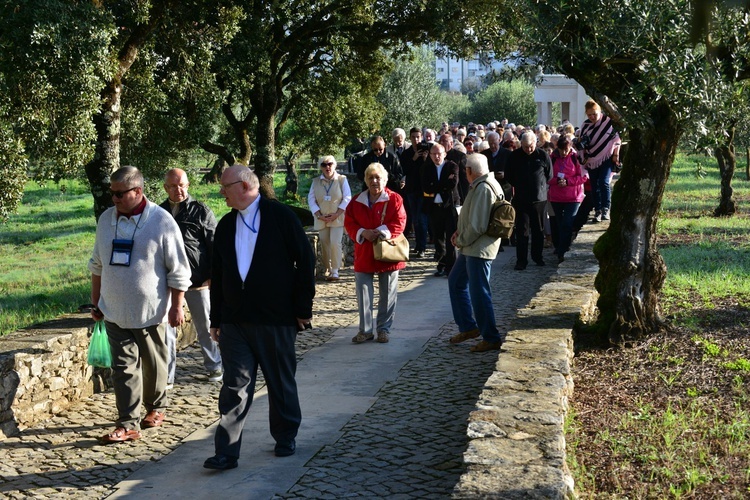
(565, 191)
(365, 223)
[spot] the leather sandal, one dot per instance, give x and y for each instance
(153, 419)
(121, 434)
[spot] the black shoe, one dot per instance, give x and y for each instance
(520, 267)
(439, 272)
(285, 449)
(220, 462)
(539, 263)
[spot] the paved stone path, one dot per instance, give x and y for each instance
(408, 444)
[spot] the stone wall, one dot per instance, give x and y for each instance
(516, 433)
(44, 370)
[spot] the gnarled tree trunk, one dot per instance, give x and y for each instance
(265, 153)
(727, 165)
(107, 150)
(632, 271)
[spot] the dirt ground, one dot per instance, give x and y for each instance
(631, 438)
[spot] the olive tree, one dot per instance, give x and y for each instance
(640, 63)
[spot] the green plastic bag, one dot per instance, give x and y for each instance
(99, 352)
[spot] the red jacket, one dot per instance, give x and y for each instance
(360, 216)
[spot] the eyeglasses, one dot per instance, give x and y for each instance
(120, 194)
(327, 164)
(227, 186)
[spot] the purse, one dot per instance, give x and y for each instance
(392, 250)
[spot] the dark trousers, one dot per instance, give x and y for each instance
(419, 219)
(244, 348)
(530, 224)
(443, 225)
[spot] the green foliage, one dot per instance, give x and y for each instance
(512, 100)
(411, 96)
(53, 62)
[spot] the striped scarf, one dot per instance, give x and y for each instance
(603, 139)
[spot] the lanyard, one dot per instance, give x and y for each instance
(255, 217)
(328, 189)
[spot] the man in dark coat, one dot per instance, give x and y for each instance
(529, 170)
(262, 289)
(390, 162)
(440, 187)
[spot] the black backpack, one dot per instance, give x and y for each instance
(502, 216)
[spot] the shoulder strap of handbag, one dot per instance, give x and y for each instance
(382, 216)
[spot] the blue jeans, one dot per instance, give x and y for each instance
(419, 220)
(469, 289)
(600, 185)
(565, 213)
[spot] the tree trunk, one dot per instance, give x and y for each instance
(214, 176)
(265, 153)
(632, 271)
(292, 179)
(107, 151)
(727, 165)
(747, 165)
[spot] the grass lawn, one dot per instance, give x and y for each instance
(670, 418)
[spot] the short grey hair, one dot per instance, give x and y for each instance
(129, 175)
(528, 138)
(247, 175)
(477, 163)
(327, 159)
(398, 132)
(492, 135)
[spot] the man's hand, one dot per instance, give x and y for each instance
(454, 237)
(214, 333)
(176, 316)
(96, 314)
(303, 324)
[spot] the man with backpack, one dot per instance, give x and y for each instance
(469, 280)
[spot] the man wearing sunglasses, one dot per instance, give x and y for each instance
(139, 274)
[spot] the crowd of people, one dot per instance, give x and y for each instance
(249, 279)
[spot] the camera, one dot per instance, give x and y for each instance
(583, 142)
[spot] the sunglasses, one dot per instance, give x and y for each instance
(327, 164)
(120, 194)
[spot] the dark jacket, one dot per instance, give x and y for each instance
(446, 186)
(280, 284)
(412, 170)
(498, 164)
(197, 225)
(391, 164)
(529, 175)
(459, 159)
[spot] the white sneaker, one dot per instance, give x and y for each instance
(216, 375)
(605, 214)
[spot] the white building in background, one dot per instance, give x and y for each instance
(452, 73)
(566, 91)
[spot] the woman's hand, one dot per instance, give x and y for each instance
(370, 234)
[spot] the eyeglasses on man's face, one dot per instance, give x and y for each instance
(120, 194)
(227, 186)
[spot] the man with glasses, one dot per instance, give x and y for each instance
(262, 289)
(197, 225)
(139, 274)
(390, 162)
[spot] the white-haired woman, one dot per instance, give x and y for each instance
(375, 213)
(328, 198)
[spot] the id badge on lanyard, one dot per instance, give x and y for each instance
(121, 252)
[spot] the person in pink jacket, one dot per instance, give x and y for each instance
(565, 192)
(365, 223)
